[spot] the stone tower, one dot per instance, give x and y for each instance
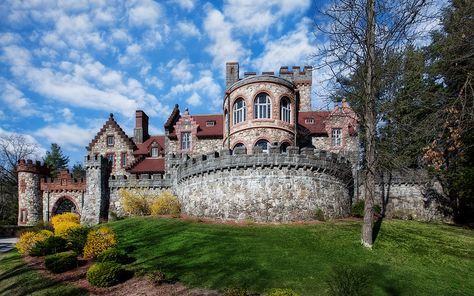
(30, 205)
(96, 197)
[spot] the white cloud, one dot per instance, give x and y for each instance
(70, 137)
(194, 100)
(180, 70)
(185, 4)
(67, 114)
(8, 38)
(144, 13)
(157, 83)
(28, 139)
(15, 99)
(223, 48)
(188, 29)
(254, 16)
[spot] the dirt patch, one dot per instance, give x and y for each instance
(135, 286)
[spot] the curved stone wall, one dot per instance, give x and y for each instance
(265, 187)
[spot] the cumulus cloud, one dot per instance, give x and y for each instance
(71, 137)
(144, 13)
(180, 70)
(15, 100)
(188, 29)
(194, 100)
(29, 139)
(185, 4)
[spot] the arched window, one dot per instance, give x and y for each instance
(283, 147)
(264, 144)
(285, 109)
(238, 145)
(239, 111)
(263, 106)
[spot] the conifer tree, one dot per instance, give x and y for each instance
(55, 159)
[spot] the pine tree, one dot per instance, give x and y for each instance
(55, 159)
(78, 171)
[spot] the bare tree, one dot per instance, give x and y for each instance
(360, 35)
(12, 148)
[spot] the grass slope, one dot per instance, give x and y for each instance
(17, 278)
(409, 258)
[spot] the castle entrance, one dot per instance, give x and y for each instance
(63, 205)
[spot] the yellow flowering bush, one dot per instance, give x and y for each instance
(98, 241)
(29, 239)
(135, 203)
(166, 204)
(64, 222)
(61, 229)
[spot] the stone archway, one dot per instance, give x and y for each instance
(64, 204)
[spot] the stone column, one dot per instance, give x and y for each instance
(30, 204)
(96, 197)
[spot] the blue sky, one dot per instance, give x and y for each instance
(65, 65)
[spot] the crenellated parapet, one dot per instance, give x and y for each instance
(140, 181)
(63, 182)
(32, 167)
(306, 158)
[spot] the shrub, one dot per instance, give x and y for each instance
(65, 217)
(61, 262)
(346, 281)
(166, 204)
(135, 204)
(377, 210)
(113, 255)
(319, 214)
(280, 292)
(51, 245)
(29, 239)
(358, 209)
(77, 237)
(236, 292)
(157, 277)
(41, 225)
(106, 274)
(62, 228)
(98, 241)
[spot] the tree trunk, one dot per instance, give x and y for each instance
(369, 115)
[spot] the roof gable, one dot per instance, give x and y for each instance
(112, 123)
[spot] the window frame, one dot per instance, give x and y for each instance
(186, 141)
(336, 137)
(262, 110)
(239, 114)
(285, 111)
(123, 159)
(267, 149)
(110, 156)
(157, 151)
(112, 142)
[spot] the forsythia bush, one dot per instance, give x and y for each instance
(136, 204)
(166, 204)
(29, 239)
(63, 222)
(98, 241)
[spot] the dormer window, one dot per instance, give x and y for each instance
(210, 123)
(110, 140)
(155, 152)
(309, 120)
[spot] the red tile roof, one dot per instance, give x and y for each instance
(210, 131)
(143, 149)
(149, 166)
(316, 128)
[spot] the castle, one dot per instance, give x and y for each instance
(267, 157)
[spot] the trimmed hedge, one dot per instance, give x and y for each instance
(61, 262)
(51, 245)
(77, 237)
(106, 274)
(114, 255)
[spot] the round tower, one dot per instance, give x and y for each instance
(30, 205)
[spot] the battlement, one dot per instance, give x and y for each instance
(95, 161)
(306, 158)
(64, 181)
(32, 167)
(140, 181)
(296, 75)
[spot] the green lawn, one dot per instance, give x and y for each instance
(409, 258)
(16, 278)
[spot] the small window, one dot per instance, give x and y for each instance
(155, 152)
(110, 140)
(210, 123)
(309, 120)
(285, 110)
(23, 216)
(186, 141)
(336, 137)
(110, 157)
(238, 145)
(283, 147)
(123, 159)
(264, 144)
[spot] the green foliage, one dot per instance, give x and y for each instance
(55, 159)
(357, 209)
(280, 292)
(345, 281)
(78, 171)
(51, 245)
(61, 262)
(319, 214)
(157, 277)
(77, 237)
(236, 292)
(29, 239)
(114, 255)
(107, 274)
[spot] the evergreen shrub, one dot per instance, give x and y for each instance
(51, 245)
(77, 237)
(113, 255)
(106, 274)
(61, 262)
(280, 292)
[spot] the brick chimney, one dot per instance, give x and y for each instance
(140, 133)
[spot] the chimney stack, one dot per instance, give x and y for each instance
(140, 133)
(231, 73)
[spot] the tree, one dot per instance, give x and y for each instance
(78, 171)
(55, 159)
(360, 33)
(12, 149)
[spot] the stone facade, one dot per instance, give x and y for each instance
(96, 198)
